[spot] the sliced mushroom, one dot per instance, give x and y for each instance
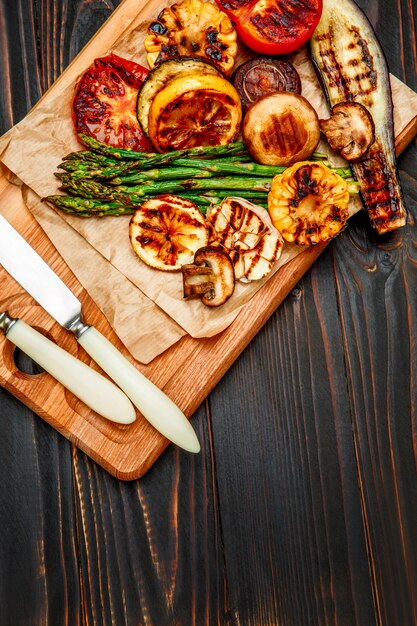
(210, 277)
(350, 130)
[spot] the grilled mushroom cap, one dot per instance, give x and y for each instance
(210, 277)
(280, 129)
(350, 130)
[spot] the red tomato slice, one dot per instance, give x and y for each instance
(273, 26)
(104, 104)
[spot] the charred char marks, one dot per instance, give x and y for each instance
(232, 5)
(380, 189)
(306, 185)
(286, 20)
(287, 136)
(167, 52)
(158, 28)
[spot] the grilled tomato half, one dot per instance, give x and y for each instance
(104, 103)
(273, 26)
(308, 203)
(192, 28)
(194, 110)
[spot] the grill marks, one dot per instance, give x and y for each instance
(284, 135)
(353, 68)
(287, 18)
(355, 77)
(252, 246)
(381, 194)
(166, 231)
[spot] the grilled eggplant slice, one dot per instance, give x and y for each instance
(352, 68)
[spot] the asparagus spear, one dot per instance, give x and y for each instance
(120, 153)
(240, 169)
(84, 206)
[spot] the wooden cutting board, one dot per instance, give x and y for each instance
(187, 372)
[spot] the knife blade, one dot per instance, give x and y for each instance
(25, 265)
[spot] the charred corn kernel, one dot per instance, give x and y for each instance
(192, 28)
(308, 203)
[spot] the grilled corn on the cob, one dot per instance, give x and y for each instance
(308, 203)
(192, 28)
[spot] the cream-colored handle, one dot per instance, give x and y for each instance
(96, 391)
(153, 403)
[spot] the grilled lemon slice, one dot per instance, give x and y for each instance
(192, 28)
(161, 75)
(166, 231)
(196, 110)
(308, 203)
(245, 231)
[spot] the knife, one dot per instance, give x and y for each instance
(38, 279)
(92, 388)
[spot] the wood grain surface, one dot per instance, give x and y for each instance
(302, 508)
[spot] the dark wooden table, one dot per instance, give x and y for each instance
(302, 508)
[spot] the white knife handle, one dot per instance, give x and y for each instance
(154, 405)
(96, 391)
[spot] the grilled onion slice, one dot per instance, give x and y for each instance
(263, 75)
(166, 231)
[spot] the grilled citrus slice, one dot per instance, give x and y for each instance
(161, 75)
(308, 203)
(166, 231)
(192, 28)
(246, 232)
(197, 110)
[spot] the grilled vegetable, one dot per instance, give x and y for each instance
(104, 103)
(159, 78)
(211, 277)
(352, 67)
(349, 130)
(196, 110)
(308, 203)
(280, 129)
(261, 76)
(192, 28)
(166, 231)
(273, 26)
(247, 233)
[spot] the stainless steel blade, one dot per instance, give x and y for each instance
(35, 276)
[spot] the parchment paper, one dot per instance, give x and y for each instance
(125, 288)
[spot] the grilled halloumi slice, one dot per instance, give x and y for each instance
(246, 232)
